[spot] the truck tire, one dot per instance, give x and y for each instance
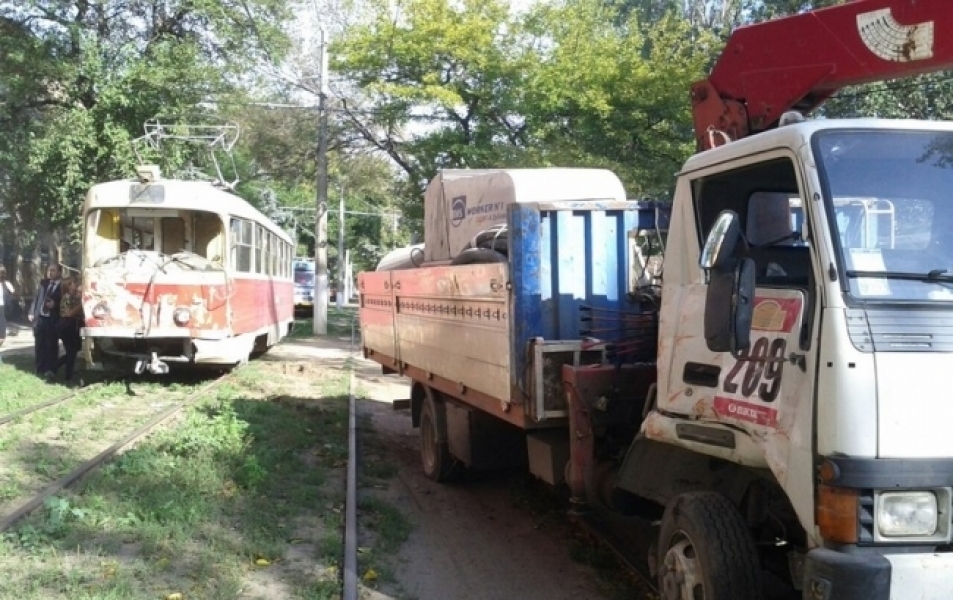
(435, 456)
(705, 551)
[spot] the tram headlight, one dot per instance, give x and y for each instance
(182, 316)
(100, 311)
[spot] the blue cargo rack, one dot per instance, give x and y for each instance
(564, 256)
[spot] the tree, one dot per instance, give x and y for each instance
(470, 85)
(615, 95)
(714, 16)
(762, 10)
(276, 159)
(452, 70)
(80, 78)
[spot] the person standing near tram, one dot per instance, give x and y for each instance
(6, 292)
(67, 328)
(44, 315)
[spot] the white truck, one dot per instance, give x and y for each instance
(779, 403)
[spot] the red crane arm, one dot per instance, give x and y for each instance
(797, 62)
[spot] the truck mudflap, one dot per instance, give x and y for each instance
(831, 575)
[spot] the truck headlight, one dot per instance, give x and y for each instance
(907, 514)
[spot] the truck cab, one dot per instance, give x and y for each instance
(804, 336)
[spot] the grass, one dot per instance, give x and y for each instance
(384, 529)
(339, 324)
(377, 466)
(241, 497)
(21, 388)
(40, 447)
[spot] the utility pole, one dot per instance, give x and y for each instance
(321, 228)
(339, 295)
(348, 275)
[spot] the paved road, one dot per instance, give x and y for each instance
(19, 339)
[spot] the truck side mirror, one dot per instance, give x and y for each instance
(729, 307)
(721, 241)
(729, 302)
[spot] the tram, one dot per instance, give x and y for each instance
(304, 283)
(178, 273)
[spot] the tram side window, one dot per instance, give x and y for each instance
(242, 244)
(273, 254)
(259, 249)
(269, 250)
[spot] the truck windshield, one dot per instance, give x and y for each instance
(889, 196)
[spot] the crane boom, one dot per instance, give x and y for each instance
(798, 62)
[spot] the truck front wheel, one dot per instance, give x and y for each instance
(435, 455)
(705, 551)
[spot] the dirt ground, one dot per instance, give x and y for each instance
(473, 540)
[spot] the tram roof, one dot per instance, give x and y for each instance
(176, 195)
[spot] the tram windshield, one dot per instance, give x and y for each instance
(190, 240)
(304, 272)
(304, 277)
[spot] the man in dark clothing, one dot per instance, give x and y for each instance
(67, 329)
(44, 314)
(6, 298)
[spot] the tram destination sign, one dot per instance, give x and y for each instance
(149, 193)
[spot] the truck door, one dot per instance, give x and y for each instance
(765, 392)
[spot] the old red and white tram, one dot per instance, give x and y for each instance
(180, 273)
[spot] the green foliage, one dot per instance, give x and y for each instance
(455, 69)
(923, 97)
(417, 86)
(772, 9)
(629, 113)
(60, 511)
(568, 84)
(276, 161)
(216, 430)
(250, 473)
(386, 521)
(81, 78)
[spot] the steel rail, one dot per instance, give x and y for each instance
(76, 474)
(46, 404)
(350, 510)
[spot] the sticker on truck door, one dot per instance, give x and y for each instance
(749, 389)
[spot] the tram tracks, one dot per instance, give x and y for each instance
(145, 422)
(7, 418)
